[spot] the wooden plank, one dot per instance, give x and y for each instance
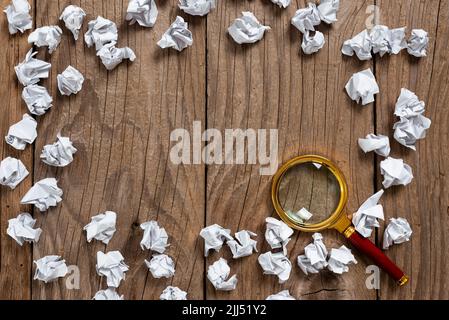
(270, 85)
(425, 202)
(15, 261)
(121, 123)
(122, 133)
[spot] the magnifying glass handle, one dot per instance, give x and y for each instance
(365, 246)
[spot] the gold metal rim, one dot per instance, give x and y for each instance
(334, 217)
(403, 281)
(349, 232)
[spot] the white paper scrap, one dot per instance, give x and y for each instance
(44, 194)
(154, 237)
(409, 130)
(161, 266)
(112, 266)
(198, 7)
(378, 143)
(73, 17)
(111, 56)
(173, 293)
(22, 133)
(50, 268)
(409, 105)
(178, 36)
(101, 227)
(218, 275)
(418, 43)
(379, 39)
(317, 252)
(100, 31)
(395, 172)
(277, 234)
(361, 45)
(70, 81)
(301, 216)
(47, 36)
(315, 256)
(396, 40)
(18, 16)
(108, 294)
(413, 125)
(31, 70)
(340, 259)
(398, 231)
(59, 154)
(362, 86)
(307, 18)
(214, 236)
(304, 214)
(328, 10)
(144, 12)
(21, 229)
(312, 43)
(37, 99)
(365, 219)
(282, 3)
(283, 295)
(247, 29)
(305, 265)
(243, 245)
(12, 172)
(276, 264)
(385, 40)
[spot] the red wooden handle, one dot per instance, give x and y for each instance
(365, 246)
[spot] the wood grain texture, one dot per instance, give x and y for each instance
(424, 203)
(15, 261)
(271, 85)
(121, 123)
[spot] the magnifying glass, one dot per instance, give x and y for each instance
(310, 194)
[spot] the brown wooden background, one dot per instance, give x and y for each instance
(121, 122)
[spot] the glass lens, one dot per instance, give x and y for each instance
(309, 193)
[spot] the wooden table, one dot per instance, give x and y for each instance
(121, 123)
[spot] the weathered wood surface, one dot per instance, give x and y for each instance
(425, 202)
(15, 262)
(122, 120)
(272, 85)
